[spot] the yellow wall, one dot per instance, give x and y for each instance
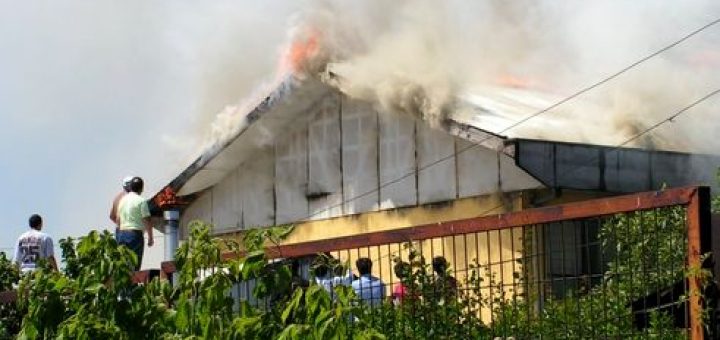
(495, 252)
(399, 218)
(498, 248)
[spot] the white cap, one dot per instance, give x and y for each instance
(126, 181)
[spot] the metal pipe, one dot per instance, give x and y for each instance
(172, 222)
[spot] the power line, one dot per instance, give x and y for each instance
(651, 128)
(523, 120)
(670, 118)
(634, 137)
(612, 76)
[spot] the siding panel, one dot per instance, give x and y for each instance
(226, 207)
(477, 169)
(397, 161)
(256, 190)
(291, 176)
(325, 180)
(436, 165)
(359, 156)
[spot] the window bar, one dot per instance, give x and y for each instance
(563, 270)
(502, 278)
(465, 293)
(490, 280)
(577, 226)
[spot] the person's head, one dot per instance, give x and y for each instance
(364, 266)
(35, 222)
(126, 183)
(439, 265)
(402, 270)
(321, 270)
(136, 185)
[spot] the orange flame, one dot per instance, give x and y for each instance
(302, 50)
(168, 198)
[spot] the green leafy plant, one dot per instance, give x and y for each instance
(94, 296)
(10, 315)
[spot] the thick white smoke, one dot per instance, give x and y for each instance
(419, 56)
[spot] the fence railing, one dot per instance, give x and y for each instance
(612, 267)
(618, 264)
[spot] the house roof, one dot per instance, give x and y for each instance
(278, 109)
(482, 116)
(284, 105)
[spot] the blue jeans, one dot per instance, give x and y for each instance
(134, 240)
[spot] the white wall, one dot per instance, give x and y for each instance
(325, 168)
(291, 173)
(437, 177)
(359, 156)
(398, 177)
(343, 157)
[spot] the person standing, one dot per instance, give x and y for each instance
(400, 292)
(134, 215)
(116, 201)
(368, 288)
(34, 245)
(446, 286)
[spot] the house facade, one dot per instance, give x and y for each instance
(332, 166)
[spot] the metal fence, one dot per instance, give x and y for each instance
(627, 266)
(620, 267)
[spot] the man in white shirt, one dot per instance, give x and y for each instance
(134, 217)
(34, 245)
(368, 288)
(116, 201)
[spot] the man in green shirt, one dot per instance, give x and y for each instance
(134, 216)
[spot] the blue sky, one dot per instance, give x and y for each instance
(91, 91)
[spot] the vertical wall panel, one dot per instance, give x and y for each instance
(512, 178)
(477, 169)
(397, 161)
(256, 189)
(325, 180)
(226, 208)
(436, 165)
(359, 156)
(200, 209)
(291, 176)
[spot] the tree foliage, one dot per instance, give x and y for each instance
(9, 314)
(94, 296)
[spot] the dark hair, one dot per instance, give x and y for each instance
(35, 221)
(439, 265)
(364, 265)
(402, 269)
(136, 185)
(320, 270)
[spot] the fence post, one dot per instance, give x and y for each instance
(699, 239)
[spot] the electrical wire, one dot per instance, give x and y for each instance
(669, 119)
(612, 76)
(523, 120)
(617, 146)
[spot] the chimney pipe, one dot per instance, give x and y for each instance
(172, 222)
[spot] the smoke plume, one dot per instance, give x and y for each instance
(419, 56)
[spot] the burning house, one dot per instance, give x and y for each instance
(336, 156)
(334, 166)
